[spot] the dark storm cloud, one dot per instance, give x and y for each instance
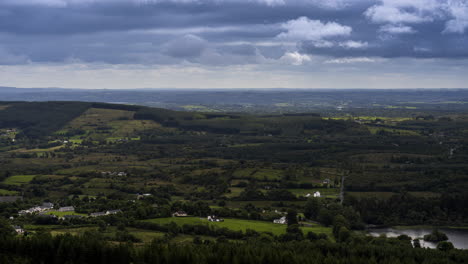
(169, 32)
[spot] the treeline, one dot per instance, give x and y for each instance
(406, 209)
(90, 248)
(39, 119)
(288, 124)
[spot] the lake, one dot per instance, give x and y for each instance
(459, 237)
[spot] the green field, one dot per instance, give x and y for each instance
(59, 214)
(7, 192)
(239, 225)
(18, 179)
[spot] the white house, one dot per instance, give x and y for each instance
(317, 194)
(18, 230)
(111, 212)
(180, 214)
(281, 220)
(213, 218)
(307, 195)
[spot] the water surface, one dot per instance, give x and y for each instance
(459, 237)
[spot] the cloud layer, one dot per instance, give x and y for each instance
(222, 33)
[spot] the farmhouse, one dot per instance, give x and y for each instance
(281, 220)
(180, 214)
(66, 209)
(317, 194)
(18, 230)
(97, 214)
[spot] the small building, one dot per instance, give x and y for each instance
(111, 212)
(326, 181)
(97, 214)
(18, 230)
(140, 196)
(213, 218)
(281, 221)
(307, 195)
(180, 214)
(317, 194)
(66, 209)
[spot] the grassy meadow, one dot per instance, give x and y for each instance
(239, 225)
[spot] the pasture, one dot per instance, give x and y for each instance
(239, 225)
(18, 179)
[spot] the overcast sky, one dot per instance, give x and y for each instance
(234, 43)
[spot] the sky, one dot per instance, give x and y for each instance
(234, 43)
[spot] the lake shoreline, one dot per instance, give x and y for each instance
(457, 236)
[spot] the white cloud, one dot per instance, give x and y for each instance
(393, 14)
(458, 9)
(295, 58)
(406, 11)
(303, 28)
(350, 60)
(400, 12)
(397, 29)
(351, 44)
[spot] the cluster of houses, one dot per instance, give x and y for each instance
(37, 209)
(114, 173)
(8, 133)
(211, 218)
(316, 194)
(42, 209)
